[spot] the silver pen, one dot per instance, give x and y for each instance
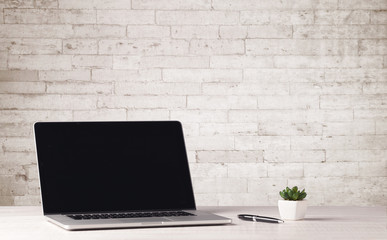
(256, 218)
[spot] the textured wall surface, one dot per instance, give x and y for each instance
(271, 93)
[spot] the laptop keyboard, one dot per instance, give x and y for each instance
(130, 215)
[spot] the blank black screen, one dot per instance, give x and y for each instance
(113, 166)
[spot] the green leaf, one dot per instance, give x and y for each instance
(286, 196)
(295, 196)
(290, 193)
(287, 189)
(295, 189)
(302, 196)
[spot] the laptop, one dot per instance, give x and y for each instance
(96, 175)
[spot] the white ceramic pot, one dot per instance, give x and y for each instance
(292, 210)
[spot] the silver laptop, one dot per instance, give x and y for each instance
(97, 175)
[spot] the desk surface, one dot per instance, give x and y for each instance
(320, 223)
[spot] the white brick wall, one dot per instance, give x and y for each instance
(270, 93)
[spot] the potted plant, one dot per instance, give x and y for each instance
(293, 207)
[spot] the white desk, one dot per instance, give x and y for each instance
(321, 223)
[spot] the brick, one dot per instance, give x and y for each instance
(80, 46)
(125, 17)
(234, 32)
(95, 4)
(289, 129)
(22, 87)
(92, 61)
(248, 170)
(39, 62)
(277, 17)
(352, 101)
(381, 127)
(230, 156)
(219, 185)
(205, 170)
(144, 47)
(148, 32)
(49, 16)
(338, 142)
(232, 129)
(362, 4)
(379, 17)
(15, 130)
(197, 17)
(31, 46)
(301, 47)
(202, 116)
(1, 17)
(296, 116)
(337, 17)
(131, 88)
(375, 88)
(200, 32)
(269, 4)
(255, 17)
(291, 156)
(73, 75)
(146, 75)
(38, 102)
(167, 102)
(35, 31)
(217, 47)
(339, 31)
(79, 88)
(285, 170)
(147, 114)
(267, 185)
(331, 169)
(373, 47)
(210, 142)
(171, 4)
(283, 75)
(245, 88)
(98, 31)
(240, 62)
(288, 102)
(31, 116)
(370, 114)
(18, 158)
(328, 62)
(175, 62)
(355, 75)
(3, 60)
(325, 88)
(46, 3)
(18, 3)
(349, 129)
(372, 169)
(269, 31)
(18, 76)
(202, 75)
(355, 155)
(221, 102)
(262, 142)
(191, 129)
(18, 144)
(100, 115)
(126, 62)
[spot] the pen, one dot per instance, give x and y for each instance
(256, 218)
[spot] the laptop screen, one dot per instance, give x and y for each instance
(113, 166)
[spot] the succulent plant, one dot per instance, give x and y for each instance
(293, 194)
